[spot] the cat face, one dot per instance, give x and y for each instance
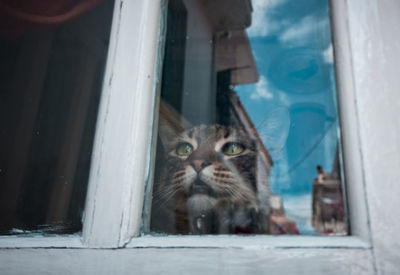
(207, 182)
(212, 161)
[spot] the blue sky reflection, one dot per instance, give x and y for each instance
(292, 46)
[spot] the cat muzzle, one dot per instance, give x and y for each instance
(200, 187)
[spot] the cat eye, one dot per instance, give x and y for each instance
(232, 149)
(184, 149)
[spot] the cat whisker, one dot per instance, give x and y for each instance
(239, 194)
(165, 195)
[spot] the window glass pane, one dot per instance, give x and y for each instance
(248, 134)
(52, 63)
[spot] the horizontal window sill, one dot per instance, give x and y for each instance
(248, 242)
(40, 241)
(222, 241)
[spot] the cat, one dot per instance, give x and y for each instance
(206, 183)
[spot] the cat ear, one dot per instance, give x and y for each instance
(274, 131)
(170, 124)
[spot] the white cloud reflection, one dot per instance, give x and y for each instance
(328, 54)
(284, 99)
(262, 90)
(261, 24)
(310, 26)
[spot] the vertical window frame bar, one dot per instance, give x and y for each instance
(358, 214)
(121, 155)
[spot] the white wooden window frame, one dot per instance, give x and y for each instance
(121, 167)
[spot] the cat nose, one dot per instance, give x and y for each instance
(199, 165)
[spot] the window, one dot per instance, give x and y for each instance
(247, 121)
(50, 90)
(114, 204)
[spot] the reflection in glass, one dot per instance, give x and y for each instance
(50, 88)
(248, 135)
